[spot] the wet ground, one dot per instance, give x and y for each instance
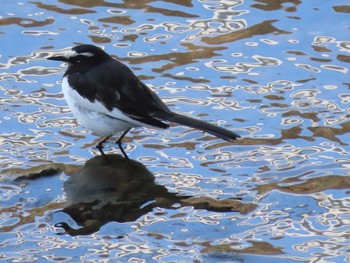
(276, 72)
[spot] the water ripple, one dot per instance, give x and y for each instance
(243, 67)
(259, 69)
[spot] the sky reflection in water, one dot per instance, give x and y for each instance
(265, 69)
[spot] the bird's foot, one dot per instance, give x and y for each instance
(119, 143)
(99, 146)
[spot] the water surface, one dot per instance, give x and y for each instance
(276, 72)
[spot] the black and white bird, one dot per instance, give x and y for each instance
(106, 97)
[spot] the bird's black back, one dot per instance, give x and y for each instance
(115, 86)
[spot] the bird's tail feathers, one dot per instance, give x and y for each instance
(203, 126)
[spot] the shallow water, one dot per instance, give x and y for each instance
(276, 72)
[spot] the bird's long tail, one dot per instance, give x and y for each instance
(203, 126)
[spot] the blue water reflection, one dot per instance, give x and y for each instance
(275, 72)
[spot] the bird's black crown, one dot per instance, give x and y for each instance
(83, 54)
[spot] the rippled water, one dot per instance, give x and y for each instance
(276, 72)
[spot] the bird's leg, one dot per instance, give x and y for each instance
(119, 142)
(99, 146)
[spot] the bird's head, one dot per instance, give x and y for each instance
(82, 54)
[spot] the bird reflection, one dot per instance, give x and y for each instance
(113, 188)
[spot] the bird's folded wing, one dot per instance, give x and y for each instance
(117, 94)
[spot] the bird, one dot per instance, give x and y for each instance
(106, 97)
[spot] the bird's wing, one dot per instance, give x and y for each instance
(116, 93)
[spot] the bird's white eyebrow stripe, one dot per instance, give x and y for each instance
(87, 54)
(72, 53)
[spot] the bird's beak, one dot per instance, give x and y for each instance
(59, 58)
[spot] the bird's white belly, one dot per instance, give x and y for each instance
(94, 116)
(98, 123)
